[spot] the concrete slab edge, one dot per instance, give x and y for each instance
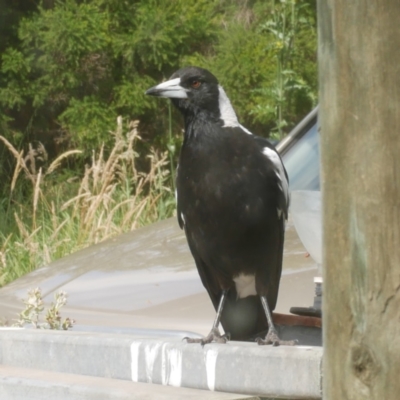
(21, 384)
(280, 372)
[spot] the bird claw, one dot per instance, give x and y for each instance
(213, 337)
(273, 338)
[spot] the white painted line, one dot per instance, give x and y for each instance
(211, 363)
(135, 361)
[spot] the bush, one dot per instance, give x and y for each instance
(69, 68)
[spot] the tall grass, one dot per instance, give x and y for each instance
(45, 217)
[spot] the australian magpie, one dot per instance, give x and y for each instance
(232, 202)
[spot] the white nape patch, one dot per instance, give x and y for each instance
(211, 364)
(135, 361)
(172, 89)
(228, 114)
(279, 170)
(183, 219)
(245, 285)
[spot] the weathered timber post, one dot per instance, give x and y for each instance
(359, 77)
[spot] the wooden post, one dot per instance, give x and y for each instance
(359, 77)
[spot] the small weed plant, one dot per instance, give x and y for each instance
(34, 308)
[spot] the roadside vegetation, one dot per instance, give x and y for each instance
(76, 166)
(50, 217)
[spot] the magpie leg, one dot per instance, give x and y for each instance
(214, 335)
(272, 335)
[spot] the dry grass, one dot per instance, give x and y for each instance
(54, 218)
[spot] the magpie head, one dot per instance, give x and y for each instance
(196, 91)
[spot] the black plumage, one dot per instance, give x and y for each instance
(232, 202)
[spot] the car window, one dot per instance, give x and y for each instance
(302, 161)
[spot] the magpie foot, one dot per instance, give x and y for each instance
(213, 337)
(273, 338)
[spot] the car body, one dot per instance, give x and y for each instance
(145, 281)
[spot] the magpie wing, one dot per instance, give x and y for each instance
(277, 241)
(283, 180)
(206, 276)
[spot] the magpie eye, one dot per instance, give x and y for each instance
(195, 84)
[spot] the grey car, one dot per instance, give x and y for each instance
(146, 280)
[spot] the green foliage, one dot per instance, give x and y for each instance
(86, 121)
(162, 32)
(242, 66)
(265, 58)
(289, 22)
(68, 68)
(78, 64)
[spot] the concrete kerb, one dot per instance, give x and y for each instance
(281, 372)
(28, 384)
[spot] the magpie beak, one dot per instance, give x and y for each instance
(169, 89)
(232, 202)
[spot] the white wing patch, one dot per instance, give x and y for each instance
(280, 173)
(245, 130)
(228, 114)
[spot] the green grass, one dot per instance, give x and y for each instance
(45, 216)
